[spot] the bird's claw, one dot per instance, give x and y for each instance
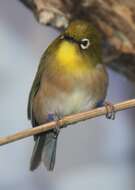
(55, 117)
(110, 110)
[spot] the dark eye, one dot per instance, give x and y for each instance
(85, 43)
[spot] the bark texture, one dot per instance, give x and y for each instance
(115, 20)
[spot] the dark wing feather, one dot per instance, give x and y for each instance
(34, 90)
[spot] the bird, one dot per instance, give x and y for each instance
(70, 78)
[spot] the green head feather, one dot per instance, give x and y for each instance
(78, 31)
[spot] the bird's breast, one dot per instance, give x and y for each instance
(67, 95)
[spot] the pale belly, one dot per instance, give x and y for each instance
(66, 104)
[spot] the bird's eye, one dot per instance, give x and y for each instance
(85, 43)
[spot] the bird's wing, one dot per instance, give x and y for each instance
(37, 80)
(35, 88)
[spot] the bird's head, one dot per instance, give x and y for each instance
(78, 48)
(85, 37)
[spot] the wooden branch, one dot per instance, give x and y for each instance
(66, 121)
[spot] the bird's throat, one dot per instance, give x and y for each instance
(70, 59)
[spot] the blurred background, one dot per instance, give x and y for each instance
(98, 154)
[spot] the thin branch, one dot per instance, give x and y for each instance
(66, 121)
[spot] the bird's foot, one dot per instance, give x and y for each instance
(55, 117)
(110, 110)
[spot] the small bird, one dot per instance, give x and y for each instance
(71, 78)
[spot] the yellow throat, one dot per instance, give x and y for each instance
(71, 59)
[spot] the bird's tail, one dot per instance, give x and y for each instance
(44, 150)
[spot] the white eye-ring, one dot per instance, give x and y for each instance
(85, 43)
